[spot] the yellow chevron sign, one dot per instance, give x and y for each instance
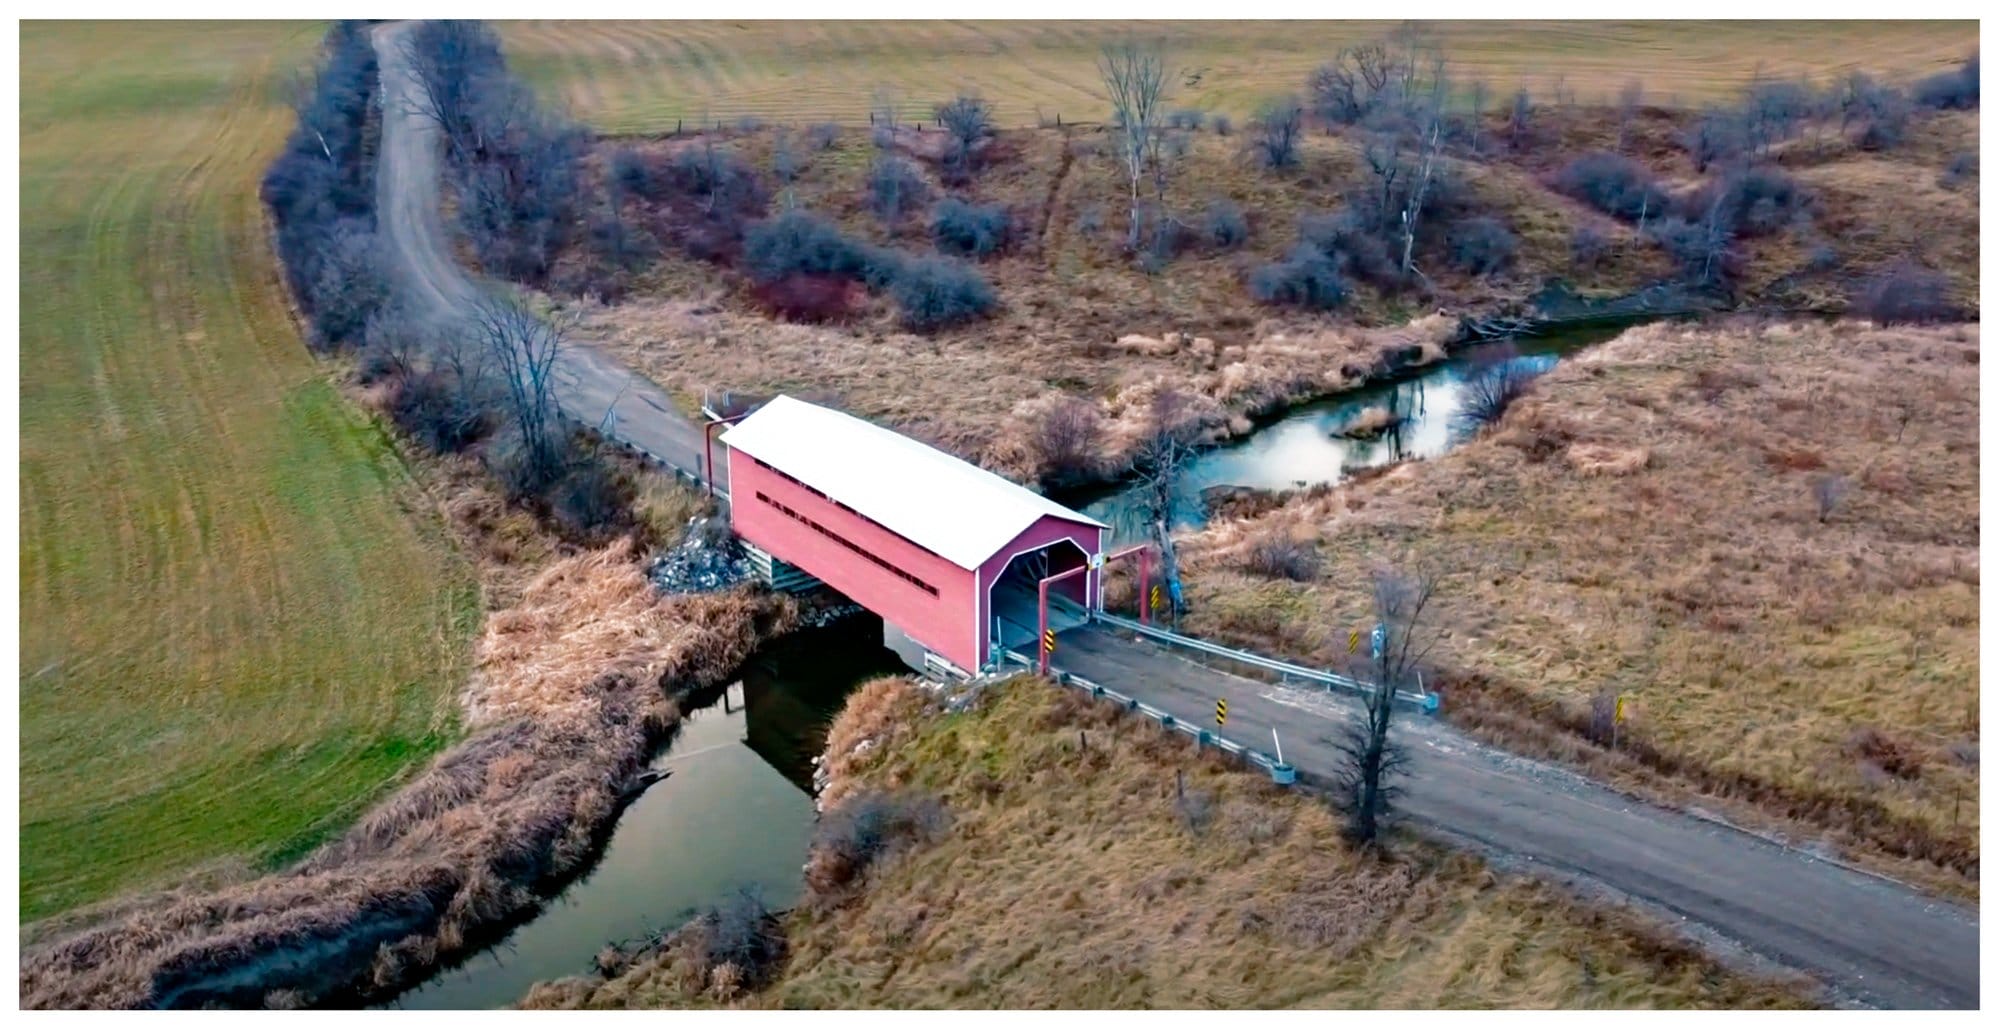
(1221, 712)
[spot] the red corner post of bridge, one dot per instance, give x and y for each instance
(708, 447)
(1042, 636)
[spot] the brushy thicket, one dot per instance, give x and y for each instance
(1280, 555)
(1904, 293)
(862, 830)
(895, 189)
(968, 229)
(579, 681)
(1305, 278)
(516, 165)
(1348, 238)
(321, 192)
(932, 292)
(1612, 183)
(1955, 90)
(1224, 225)
(1482, 246)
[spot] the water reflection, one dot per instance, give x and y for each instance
(1307, 446)
(735, 812)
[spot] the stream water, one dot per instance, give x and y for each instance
(1304, 447)
(735, 813)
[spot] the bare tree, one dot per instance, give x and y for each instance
(1346, 89)
(1520, 120)
(1275, 132)
(1400, 642)
(1628, 106)
(1480, 94)
(453, 64)
(882, 107)
(1135, 80)
(968, 120)
(522, 348)
(1172, 442)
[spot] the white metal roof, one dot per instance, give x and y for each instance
(950, 507)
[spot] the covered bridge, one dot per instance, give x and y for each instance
(947, 553)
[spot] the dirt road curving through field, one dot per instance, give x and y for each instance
(591, 387)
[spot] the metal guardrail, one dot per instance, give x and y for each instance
(693, 479)
(1426, 702)
(1281, 773)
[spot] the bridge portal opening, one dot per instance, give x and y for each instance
(1014, 597)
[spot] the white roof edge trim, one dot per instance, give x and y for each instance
(942, 503)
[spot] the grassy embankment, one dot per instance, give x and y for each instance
(1077, 317)
(241, 620)
(1067, 875)
(1645, 524)
(641, 76)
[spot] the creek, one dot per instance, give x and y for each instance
(734, 813)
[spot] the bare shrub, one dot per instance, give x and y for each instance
(895, 188)
(1345, 237)
(1612, 183)
(743, 936)
(1955, 90)
(969, 120)
(799, 242)
(1305, 278)
(1754, 201)
(1829, 491)
(1220, 124)
(935, 292)
(799, 297)
(591, 501)
(1588, 246)
(1482, 246)
(1280, 555)
(1066, 437)
(440, 410)
(822, 135)
(1496, 381)
(1186, 119)
(1275, 133)
(864, 829)
(1223, 224)
(1883, 112)
(973, 230)
(1884, 752)
(1904, 293)
(1962, 166)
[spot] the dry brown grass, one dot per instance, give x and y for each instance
(576, 680)
(577, 683)
(1071, 877)
(1079, 319)
(1644, 524)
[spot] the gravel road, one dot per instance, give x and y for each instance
(434, 287)
(1871, 940)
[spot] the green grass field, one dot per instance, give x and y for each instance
(239, 619)
(641, 76)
